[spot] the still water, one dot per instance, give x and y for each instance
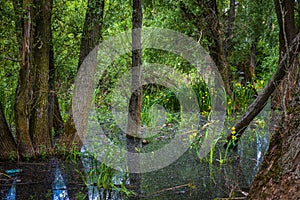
(187, 178)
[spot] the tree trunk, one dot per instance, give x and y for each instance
(135, 104)
(41, 137)
(278, 177)
(217, 51)
(92, 35)
(287, 32)
(7, 143)
(24, 90)
(33, 25)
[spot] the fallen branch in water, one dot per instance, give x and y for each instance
(172, 188)
(3, 174)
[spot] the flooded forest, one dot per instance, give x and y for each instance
(149, 99)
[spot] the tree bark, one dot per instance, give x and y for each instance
(33, 25)
(217, 50)
(55, 121)
(41, 137)
(133, 134)
(278, 177)
(8, 145)
(92, 34)
(287, 32)
(24, 89)
(135, 104)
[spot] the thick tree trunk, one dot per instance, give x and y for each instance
(278, 177)
(24, 89)
(8, 145)
(41, 137)
(90, 38)
(33, 24)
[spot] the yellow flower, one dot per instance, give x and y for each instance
(147, 97)
(192, 136)
(233, 137)
(229, 102)
(262, 82)
(233, 130)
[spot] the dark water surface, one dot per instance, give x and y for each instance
(187, 178)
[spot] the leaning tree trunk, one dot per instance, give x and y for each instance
(7, 143)
(258, 104)
(279, 175)
(92, 34)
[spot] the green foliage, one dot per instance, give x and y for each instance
(153, 96)
(117, 17)
(255, 24)
(80, 196)
(243, 95)
(9, 58)
(67, 24)
(102, 175)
